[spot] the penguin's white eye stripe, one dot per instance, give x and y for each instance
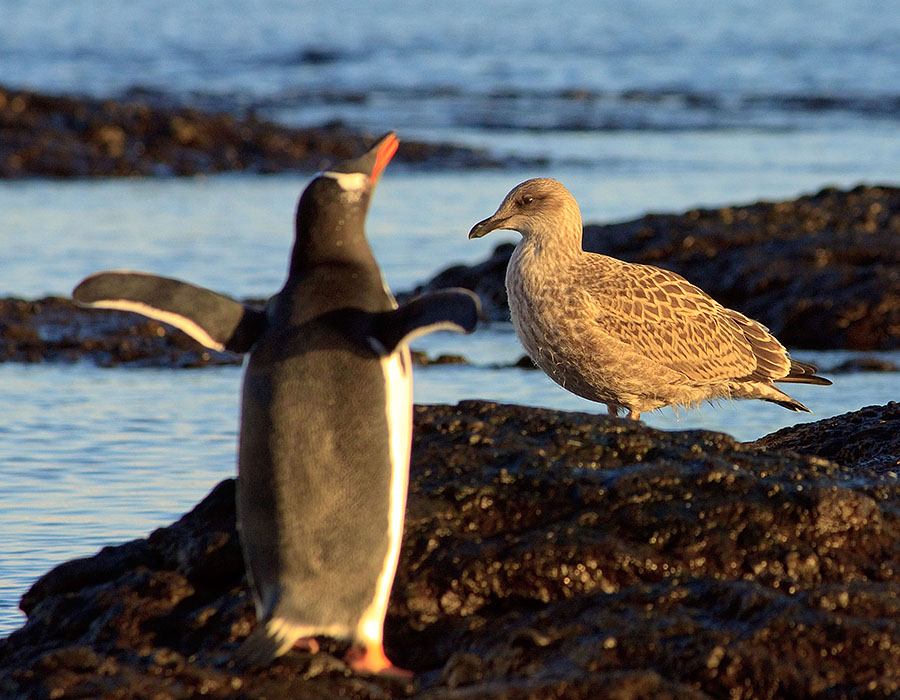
(348, 181)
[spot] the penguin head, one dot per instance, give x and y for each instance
(331, 213)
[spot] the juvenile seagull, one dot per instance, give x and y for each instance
(634, 337)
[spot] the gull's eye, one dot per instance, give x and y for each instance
(527, 199)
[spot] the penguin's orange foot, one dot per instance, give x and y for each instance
(371, 659)
(307, 644)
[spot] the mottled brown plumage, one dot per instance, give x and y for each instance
(634, 337)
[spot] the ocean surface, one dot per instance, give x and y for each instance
(640, 106)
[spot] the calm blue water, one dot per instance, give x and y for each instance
(645, 63)
(649, 64)
(640, 106)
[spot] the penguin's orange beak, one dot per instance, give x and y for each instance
(386, 151)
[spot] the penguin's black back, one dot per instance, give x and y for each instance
(315, 443)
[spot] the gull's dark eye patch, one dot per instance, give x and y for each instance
(527, 199)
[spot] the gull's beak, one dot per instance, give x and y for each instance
(482, 228)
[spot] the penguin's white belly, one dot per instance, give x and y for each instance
(397, 369)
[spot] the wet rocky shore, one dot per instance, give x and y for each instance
(546, 554)
(67, 136)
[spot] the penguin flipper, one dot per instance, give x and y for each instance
(214, 320)
(454, 309)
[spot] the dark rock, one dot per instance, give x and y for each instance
(822, 271)
(486, 279)
(863, 364)
(56, 329)
(546, 555)
(422, 359)
(53, 136)
(869, 437)
(524, 362)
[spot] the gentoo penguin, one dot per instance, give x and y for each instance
(326, 416)
(635, 337)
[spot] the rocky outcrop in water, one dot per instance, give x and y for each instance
(869, 437)
(65, 136)
(58, 330)
(546, 554)
(822, 271)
